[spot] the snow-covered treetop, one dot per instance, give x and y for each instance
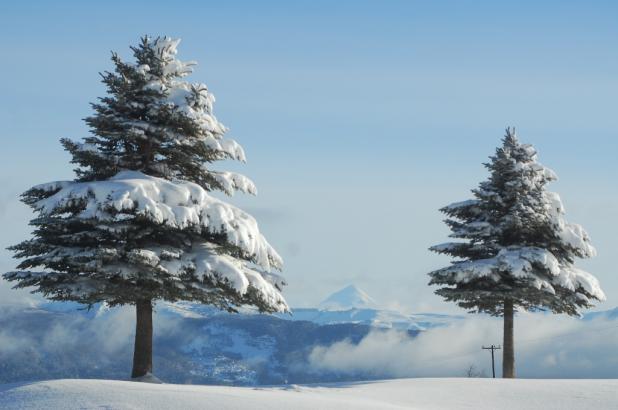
(156, 122)
(516, 242)
(513, 205)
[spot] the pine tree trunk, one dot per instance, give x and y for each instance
(508, 352)
(142, 355)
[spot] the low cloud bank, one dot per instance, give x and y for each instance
(36, 343)
(546, 346)
(56, 341)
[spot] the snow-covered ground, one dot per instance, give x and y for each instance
(426, 394)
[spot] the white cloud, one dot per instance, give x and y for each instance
(546, 346)
(107, 335)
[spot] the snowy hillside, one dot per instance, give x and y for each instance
(426, 394)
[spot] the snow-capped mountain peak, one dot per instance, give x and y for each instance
(350, 297)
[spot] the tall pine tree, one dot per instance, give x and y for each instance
(516, 251)
(138, 224)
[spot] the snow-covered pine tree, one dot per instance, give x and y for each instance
(518, 250)
(138, 224)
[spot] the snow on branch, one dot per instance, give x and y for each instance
(177, 204)
(205, 263)
(536, 265)
(573, 235)
(232, 181)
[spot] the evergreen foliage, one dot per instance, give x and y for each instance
(139, 222)
(515, 243)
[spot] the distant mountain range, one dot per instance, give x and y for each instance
(349, 305)
(195, 343)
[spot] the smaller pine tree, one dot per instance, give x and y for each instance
(517, 251)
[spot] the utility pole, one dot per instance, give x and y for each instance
(493, 367)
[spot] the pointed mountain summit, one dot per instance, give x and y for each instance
(348, 298)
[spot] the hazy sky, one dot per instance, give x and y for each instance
(360, 119)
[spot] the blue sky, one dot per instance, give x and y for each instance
(360, 119)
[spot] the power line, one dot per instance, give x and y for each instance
(493, 366)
